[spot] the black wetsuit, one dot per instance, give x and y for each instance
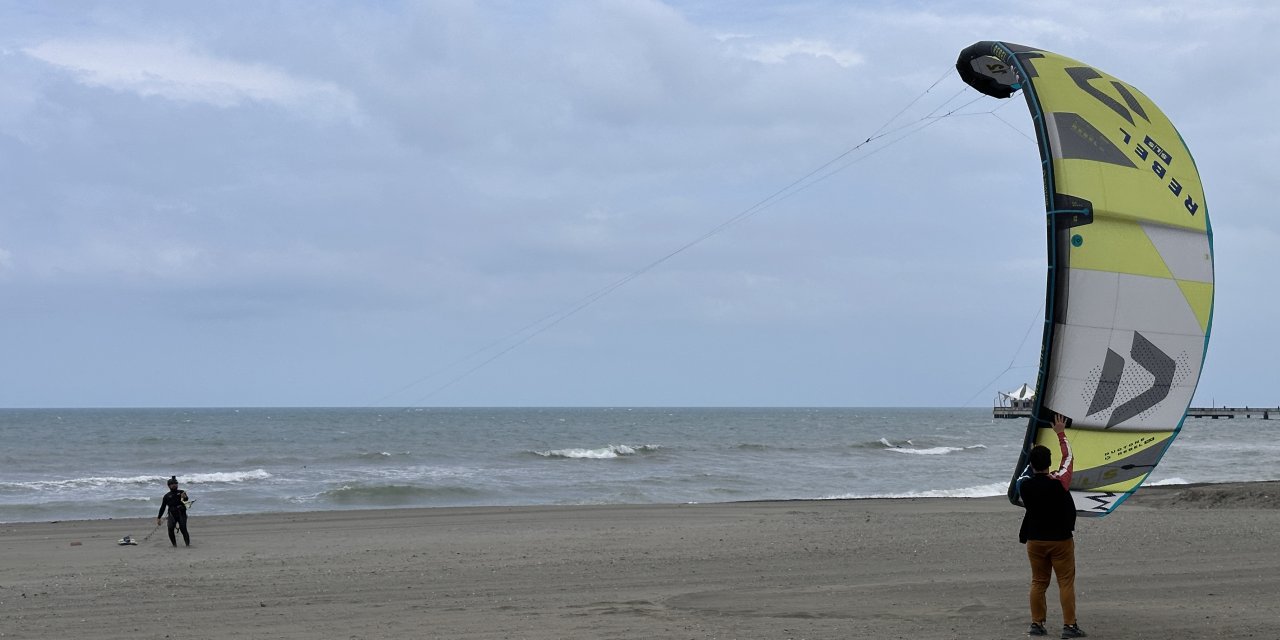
(177, 514)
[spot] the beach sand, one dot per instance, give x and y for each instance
(1175, 561)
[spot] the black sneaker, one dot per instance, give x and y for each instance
(1072, 631)
(1037, 629)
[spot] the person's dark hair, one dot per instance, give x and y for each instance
(1039, 457)
(172, 480)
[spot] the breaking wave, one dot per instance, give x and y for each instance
(912, 448)
(602, 453)
(979, 491)
(98, 482)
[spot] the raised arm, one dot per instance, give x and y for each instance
(1063, 474)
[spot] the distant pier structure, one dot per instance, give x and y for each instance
(1266, 413)
(1018, 403)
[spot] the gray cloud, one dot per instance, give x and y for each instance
(320, 204)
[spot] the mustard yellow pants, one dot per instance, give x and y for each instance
(1056, 557)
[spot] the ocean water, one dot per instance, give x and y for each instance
(63, 464)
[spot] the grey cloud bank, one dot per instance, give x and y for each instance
(341, 204)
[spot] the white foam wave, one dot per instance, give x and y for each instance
(91, 482)
(979, 491)
(1166, 481)
(602, 453)
(230, 476)
(932, 451)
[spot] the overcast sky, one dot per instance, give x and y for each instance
(526, 203)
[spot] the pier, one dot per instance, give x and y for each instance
(1266, 413)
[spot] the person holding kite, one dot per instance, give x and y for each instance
(1047, 528)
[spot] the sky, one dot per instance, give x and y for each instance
(615, 203)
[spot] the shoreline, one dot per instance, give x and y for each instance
(1148, 494)
(1197, 560)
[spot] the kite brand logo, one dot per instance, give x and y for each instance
(1149, 148)
(1149, 357)
(1121, 452)
(1083, 78)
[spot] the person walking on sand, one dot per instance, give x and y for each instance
(1046, 530)
(176, 502)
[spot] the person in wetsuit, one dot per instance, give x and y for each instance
(175, 502)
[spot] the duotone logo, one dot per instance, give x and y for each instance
(1149, 357)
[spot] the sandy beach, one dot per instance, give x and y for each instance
(1175, 561)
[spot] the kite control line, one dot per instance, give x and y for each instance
(148, 536)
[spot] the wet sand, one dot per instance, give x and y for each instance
(1179, 561)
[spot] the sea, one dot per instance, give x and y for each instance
(74, 464)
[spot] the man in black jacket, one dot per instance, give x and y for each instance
(176, 502)
(1046, 530)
